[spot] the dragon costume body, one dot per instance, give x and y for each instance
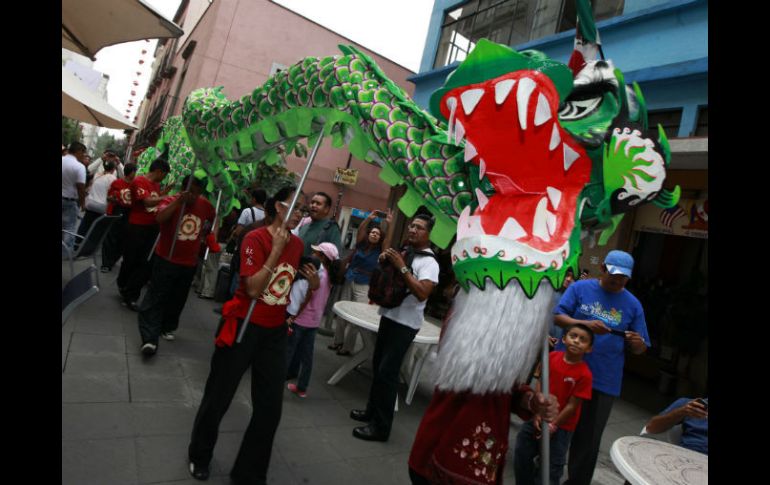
(519, 155)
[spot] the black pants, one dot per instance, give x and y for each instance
(393, 340)
(135, 270)
(165, 299)
(112, 247)
(264, 351)
(584, 447)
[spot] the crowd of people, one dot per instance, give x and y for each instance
(283, 269)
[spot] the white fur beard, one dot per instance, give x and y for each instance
(493, 338)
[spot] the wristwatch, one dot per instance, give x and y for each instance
(404, 270)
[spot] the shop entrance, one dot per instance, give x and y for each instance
(671, 281)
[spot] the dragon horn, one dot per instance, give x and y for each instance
(588, 46)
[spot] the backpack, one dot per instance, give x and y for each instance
(387, 286)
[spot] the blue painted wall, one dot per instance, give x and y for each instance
(661, 44)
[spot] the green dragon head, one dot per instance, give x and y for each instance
(554, 154)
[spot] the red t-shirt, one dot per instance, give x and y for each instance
(142, 188)
(567, 380)
(188, 241)
(270, 310)
(121, 190)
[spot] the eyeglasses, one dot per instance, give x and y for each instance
(417, 227)
(301, 210)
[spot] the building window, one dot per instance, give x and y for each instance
(669, 119)
(510, 22)
(702, 128)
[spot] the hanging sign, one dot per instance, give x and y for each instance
(346, 176)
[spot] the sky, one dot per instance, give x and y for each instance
(409, 18)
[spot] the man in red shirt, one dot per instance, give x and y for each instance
(141, 231)
(172, 276)
(118, 203)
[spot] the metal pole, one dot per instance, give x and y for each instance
(545, 440)
(213, 224)
(283, 224)
(181, 212)
(157, 238)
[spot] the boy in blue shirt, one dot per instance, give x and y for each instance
(616, 319)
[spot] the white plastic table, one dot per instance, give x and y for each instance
(366, 317)
(645, 461)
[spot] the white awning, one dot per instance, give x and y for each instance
(89, 25)
(80, 103)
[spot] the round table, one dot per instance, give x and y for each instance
(366, 317)
(645, 461)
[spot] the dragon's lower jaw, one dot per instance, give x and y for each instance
(492, 339)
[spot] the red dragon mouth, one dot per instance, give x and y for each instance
(511, 130)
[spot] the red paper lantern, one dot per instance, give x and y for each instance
(141, 61)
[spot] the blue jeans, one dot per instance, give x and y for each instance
(527, 448)
(69, 221)
(299, 355)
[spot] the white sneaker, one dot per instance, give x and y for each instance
(149, 349)
(167, 335)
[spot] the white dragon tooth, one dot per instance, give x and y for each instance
(539, 224)
(570, 156)
(452, 105)
(470, 151)
(503, 89)
(550, 222)
(482, 168)
(512, 229)
(526, 86)
(543, 111)
(470, 99)
(483, 200)
(474, 226)
(555, 195)
(459, 132)
(555, 138)
(462, 222)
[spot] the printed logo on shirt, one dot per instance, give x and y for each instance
(190, 228)
(277, 290)
(125, 197)
(611, 317)
(155, 207)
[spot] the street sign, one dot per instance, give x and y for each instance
(346, 176)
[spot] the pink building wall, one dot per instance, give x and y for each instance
(238, 42)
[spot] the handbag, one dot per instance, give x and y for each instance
(387, 286)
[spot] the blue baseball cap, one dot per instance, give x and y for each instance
(619, 262)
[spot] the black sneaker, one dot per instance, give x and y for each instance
(149, 349)
(199, 472)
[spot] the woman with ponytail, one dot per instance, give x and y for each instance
(270, 258)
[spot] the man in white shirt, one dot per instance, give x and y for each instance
(398, 327)
(97, 166)
(73, 190)
(96, 205)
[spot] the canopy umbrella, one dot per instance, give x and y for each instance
(80, 103)
(89, 25)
